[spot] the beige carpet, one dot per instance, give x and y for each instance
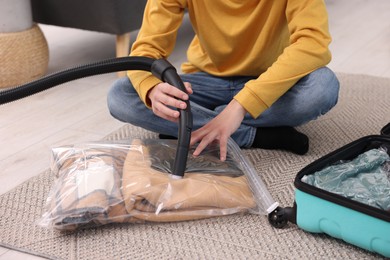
(363, 109)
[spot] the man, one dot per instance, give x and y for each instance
(255, 70)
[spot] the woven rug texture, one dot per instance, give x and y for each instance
(363, 109)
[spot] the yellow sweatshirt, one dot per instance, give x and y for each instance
(277, 41)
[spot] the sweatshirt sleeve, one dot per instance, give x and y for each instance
(156, 39)
(307, 51)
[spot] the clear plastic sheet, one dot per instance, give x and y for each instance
(129, 182)
(366, 178)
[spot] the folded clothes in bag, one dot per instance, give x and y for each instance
(102, 183)
(88, 187)
(365, 178)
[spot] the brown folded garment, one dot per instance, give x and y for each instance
(153, 196)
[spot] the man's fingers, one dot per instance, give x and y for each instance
(174, 92)
(196, 136)
(188, 87)
(201, 146)
(223, 149)
(206, 140)
(172, 96)
(165, 112)
(169, 118)
(173, 102)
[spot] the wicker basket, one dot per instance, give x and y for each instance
(24, 56)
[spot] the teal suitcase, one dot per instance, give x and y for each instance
(319, 211)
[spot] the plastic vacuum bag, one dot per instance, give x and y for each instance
(366, 178)
(100, 183)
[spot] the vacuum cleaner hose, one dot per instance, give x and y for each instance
(160, 68)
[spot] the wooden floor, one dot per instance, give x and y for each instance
(76, 111)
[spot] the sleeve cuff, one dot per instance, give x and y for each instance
(252, 104)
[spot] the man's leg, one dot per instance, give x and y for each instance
(312, 96)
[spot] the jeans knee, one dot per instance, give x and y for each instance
(322, 88)
(319, 96)
(112, 98)
(118, 99)
(330, 85)
(111, 102)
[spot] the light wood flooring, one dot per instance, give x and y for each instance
(76, 111)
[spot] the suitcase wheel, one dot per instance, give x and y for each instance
(281, 216)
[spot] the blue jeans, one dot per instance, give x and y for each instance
(312, 96)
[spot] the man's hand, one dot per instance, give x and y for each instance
(219, 129)
(165, 98)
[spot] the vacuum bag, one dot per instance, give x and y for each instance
(130, 182)
(365, 179)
